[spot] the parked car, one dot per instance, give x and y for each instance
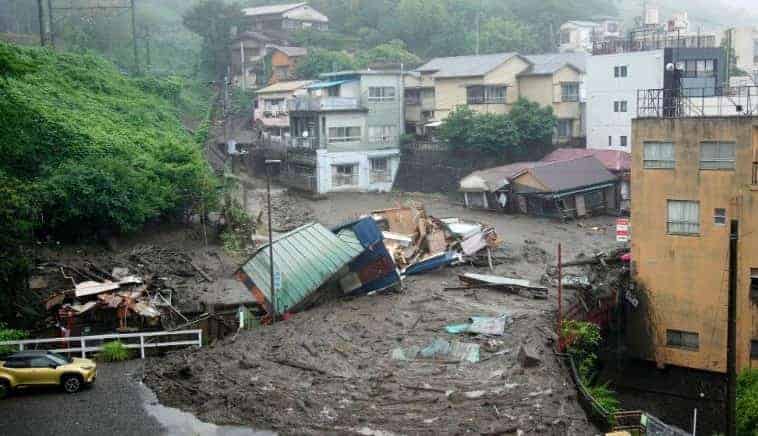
(40, 368)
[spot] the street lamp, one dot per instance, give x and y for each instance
(269, 163)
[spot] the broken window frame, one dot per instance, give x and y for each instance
(718, 156)
(682, 339)
(687, 222)
(657, 155)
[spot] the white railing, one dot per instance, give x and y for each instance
(83, 348)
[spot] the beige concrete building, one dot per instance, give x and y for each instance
(493, 83)
(691, 178)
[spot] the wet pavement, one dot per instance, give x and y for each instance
(117, 404)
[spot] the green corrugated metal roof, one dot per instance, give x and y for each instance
(306, 258)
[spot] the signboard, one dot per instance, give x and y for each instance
(622, 230)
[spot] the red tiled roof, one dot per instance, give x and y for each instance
(613, 160)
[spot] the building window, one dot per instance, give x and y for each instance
(564, 128)
(620, 71)
(623, 142)
(485, 94)
(412, 96)
(570, 91)
(619, 106)
(381, 134)
(717, 155)
(682, 339)
(344, 134)
(381, 93)
(333, 91)
(345, 175)
(683, 217)
(380, 172)
(754, 349)
(610, 141)
(658, 155)
(697, 67)
(754, 284)
(719, 216)
(273, 105)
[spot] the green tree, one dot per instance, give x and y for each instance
(392, 53)
(747, 403)
(321, 61)
(503, 35)
(213, 20)
(536, 126)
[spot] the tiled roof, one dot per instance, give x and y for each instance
(613, 160)
(552, 62)
(271, 9)
(289, 86)
(465, 66)
(566, 175)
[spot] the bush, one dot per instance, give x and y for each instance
(605, 397)
(747, 403)
(114, 352)
(8, 334)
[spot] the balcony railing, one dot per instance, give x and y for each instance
(309, 103)
(651, 41)
(310, 142)
(697, 102)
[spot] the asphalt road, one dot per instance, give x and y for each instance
(112, 406)
(117, 404)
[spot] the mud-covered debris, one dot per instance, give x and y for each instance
(528, 356)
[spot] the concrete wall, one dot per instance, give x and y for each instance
(326, 159)
(686, 276)
(645, 70)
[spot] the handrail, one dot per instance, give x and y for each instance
(83, 348)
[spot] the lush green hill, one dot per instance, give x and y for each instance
(90, 148)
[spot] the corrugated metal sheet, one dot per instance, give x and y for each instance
(306, 258)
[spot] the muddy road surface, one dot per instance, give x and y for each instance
(335, 368)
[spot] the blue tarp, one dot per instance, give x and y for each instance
(432, 263)
(329, 84)
(374, 269)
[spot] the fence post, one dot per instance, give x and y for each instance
(142, 347)
(84, 349)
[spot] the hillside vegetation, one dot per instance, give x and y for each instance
(87, 150)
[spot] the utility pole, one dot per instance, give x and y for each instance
(51, 28)
(134, 37)
(147, 48)
(731, 347)
(41, 14)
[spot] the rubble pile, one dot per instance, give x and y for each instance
(148, 287)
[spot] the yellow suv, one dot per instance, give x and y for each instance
(37, 368)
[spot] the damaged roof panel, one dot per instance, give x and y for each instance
(306, 258)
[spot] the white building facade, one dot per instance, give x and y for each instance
(612, 84)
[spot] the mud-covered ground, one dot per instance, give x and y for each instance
(330, 369)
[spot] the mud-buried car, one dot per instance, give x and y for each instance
(43, 368)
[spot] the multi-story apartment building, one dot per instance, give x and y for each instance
(744, 42)
(345, 133)
(694, 178)
(615, 78)
(271, 114)
(579, 36)
(493, 83)
(268, 30)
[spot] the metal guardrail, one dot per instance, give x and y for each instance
(83, 348)
(308, 103)
(697, 102)
(651, 41)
